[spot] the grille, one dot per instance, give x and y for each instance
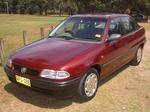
(29, 71)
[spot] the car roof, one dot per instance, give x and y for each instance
(101, 15)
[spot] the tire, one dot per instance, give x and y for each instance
(138, 57)
(90, 77)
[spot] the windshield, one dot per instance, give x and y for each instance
(80, 28)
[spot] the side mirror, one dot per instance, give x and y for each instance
(114, 37)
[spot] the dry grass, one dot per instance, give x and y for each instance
(127, 90)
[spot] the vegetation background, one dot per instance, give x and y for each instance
(45, 7)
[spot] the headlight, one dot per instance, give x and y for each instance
(52, 74)
(9, 63)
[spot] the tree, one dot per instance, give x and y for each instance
(70, 7)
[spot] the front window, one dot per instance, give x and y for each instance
(86, 28)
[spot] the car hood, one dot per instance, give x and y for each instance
(51, 52)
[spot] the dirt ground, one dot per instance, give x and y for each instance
(127, 90)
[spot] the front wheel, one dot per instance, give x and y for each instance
(88, 85)
(138, 57)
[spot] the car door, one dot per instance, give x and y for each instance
(115, 51)
(130, 36)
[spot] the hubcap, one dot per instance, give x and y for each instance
(90, 85)
(139, 54)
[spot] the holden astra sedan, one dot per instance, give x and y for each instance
(77, 55)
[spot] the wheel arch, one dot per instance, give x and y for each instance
(97, 67)
(142, 45)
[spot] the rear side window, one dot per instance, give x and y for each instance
(129, 24)
(115, 27)
(126, 25)
(134, 23)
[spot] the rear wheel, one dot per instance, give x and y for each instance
(88, 85)
(138, 57)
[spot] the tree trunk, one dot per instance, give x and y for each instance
(46, 11)
(40, 11)
(60, 12)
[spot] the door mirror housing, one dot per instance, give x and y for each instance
(114, 37)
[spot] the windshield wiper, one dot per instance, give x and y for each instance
(65, 37)
(50, 36)
(70, 32)
(92, 39)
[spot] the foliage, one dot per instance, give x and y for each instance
(44, 7)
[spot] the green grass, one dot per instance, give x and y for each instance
(12, 26)
(15, 24)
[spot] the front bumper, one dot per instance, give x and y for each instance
(58, 89)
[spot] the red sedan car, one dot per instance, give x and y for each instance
(77, 54)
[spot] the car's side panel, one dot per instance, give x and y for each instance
(127, 45)
(114, 56)
(114, 53)
(135, 41)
